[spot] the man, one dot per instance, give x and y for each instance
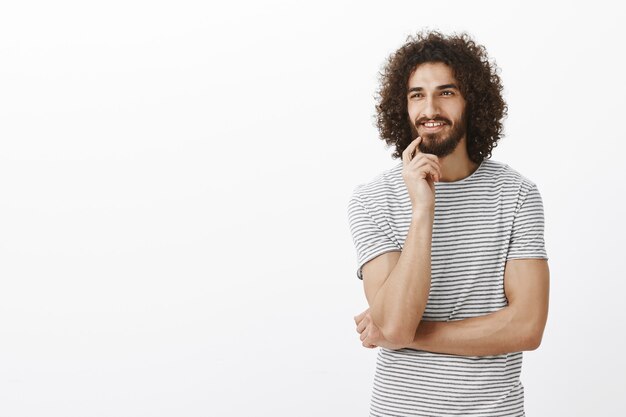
(449, 243)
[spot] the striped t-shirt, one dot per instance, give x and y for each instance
(480, 222)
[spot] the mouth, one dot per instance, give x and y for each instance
(433, 126)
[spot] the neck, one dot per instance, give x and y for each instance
(457, 165)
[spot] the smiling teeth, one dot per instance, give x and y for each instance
(431, 124)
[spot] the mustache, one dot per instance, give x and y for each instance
(436, 119)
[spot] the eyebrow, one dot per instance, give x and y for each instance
(440, 87)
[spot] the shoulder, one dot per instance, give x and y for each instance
(505, 175)
(384, 186)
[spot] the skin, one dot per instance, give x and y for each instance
(441, 155)
(398, 298)
(427, 99)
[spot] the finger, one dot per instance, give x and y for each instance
(427, 167)
(435, 171)
(361, 326)
(428, 156)
(363, 313)
(367, 342)
(360, 316)
(414, 147)
(412, 150)
(431, 160)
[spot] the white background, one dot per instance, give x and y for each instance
(174, 179)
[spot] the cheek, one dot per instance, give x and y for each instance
(458, 110)
(412, 112)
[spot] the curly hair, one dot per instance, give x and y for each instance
(478, 80)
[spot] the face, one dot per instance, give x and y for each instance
(436, 108)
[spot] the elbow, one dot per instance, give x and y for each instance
(533, 339)
(528, 329)
(400, 337)
(534, 342)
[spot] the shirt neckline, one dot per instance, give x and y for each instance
(469, 178)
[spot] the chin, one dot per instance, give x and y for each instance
(431, 137)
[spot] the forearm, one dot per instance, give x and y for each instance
(399, 304)
(503, 331)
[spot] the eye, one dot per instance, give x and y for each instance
(447, 92)
(415, 95)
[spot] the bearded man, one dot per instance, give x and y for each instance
(449, 242)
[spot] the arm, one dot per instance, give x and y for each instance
(397, 284)
(516, 327)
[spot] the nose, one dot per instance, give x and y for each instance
(430, 110)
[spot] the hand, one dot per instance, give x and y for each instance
(371, 336)
(365, 325)
(420, 171)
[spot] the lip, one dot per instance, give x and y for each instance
(433, 129)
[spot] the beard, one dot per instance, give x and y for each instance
(441, 143)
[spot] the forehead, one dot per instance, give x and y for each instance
(431, 74)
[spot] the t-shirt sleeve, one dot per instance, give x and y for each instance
(370, 239)
(527, 240)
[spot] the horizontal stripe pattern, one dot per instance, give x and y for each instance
(480, 222)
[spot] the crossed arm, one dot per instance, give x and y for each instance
(517, 327)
